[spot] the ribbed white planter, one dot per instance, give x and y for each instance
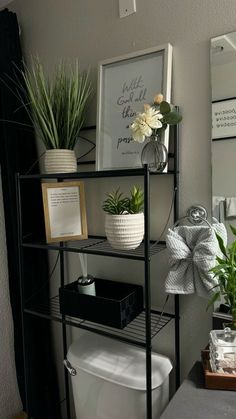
(124, 232)
(60, 161)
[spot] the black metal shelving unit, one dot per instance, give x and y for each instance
(144, 327)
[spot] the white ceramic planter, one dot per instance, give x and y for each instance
(124, 232)
(60, 161)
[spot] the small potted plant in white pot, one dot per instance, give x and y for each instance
(57, 111)
(124, 223)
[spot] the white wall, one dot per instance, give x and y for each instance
(92, 31)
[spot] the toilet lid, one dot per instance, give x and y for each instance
(117, 362)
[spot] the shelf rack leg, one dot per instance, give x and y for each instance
(64, 334)
(22, 294)
(177, 343)
(176, 217)
(64, 337)
(147, 293)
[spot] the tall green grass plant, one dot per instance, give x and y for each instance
(56, 108)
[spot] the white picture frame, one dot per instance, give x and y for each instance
(125, 84)
(224, 119)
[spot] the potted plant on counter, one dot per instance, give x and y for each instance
(57, 111)
(124, 223)
(225, 272)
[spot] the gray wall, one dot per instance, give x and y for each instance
(92, 31)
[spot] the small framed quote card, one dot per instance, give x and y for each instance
(64, 211)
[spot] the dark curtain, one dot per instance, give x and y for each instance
(17, 153)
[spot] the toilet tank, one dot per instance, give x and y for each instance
(109, 380)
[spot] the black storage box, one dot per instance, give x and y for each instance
(116, 303)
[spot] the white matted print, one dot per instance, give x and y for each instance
(125, 84)
(64, 211)
(224, 119)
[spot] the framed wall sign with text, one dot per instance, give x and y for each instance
(64, 211)
(125, 84)
(224, 119)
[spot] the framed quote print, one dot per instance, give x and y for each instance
(64, 211)
(224, 119)
(125, 84)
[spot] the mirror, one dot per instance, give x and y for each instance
(223, 79)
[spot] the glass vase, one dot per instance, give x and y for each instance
(154, 154)
(230, 325)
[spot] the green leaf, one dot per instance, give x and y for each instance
(136, 200)
(233, 312)
(116, 203)
(233, 229)
(213, 299)
(165, 108)
(219, 260)
(221, 245)
(172, 118)
(220, 268)
(56, 107)
(225, 272)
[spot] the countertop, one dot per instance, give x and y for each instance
(193, 401)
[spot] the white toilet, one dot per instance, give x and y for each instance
(109, 380)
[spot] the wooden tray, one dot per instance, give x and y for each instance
(215, 380)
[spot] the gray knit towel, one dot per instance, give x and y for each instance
(192, 253)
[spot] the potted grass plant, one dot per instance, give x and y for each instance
(124, 222)
(225, 272)
(57, 110)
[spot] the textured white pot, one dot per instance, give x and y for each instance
(60, 161)
(124, 232)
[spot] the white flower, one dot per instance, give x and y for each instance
(140, 129)
(144, 123)
(152, 118)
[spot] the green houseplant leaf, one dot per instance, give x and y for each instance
(225, 272)
(116, 203)
(233, 229)
(213, 299)
(221, 244)
(57, 107)
(136, 201)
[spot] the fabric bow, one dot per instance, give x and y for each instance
(192, 253)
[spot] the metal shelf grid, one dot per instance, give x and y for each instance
(99, 246)
(133, 333)
(149, 322)
(95, 174)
